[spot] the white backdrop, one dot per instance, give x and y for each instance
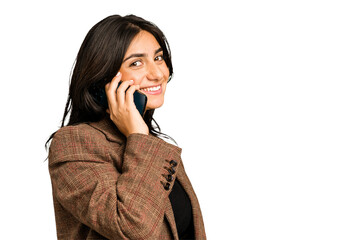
(264, 102)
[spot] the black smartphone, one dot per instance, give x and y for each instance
(140, 99)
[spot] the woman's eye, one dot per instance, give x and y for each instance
(135, 64)
(159, 58)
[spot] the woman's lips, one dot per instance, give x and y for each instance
(152, 90)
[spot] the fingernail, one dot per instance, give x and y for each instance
(118, 74)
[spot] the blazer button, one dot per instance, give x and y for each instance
(167, 186)
(173, 163)
(169, 178)
(171, 170)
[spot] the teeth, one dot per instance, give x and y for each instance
(151, 89)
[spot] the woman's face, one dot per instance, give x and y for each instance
(144, 63)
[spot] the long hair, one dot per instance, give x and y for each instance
(97, 62)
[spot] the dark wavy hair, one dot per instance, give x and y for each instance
(97, 62)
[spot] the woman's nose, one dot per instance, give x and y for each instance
(154, 72)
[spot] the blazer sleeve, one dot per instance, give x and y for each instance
(125, 203)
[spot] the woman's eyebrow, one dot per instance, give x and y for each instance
(157, 51)
(141, 54)
(135, 55)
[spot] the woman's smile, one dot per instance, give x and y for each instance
(152, 90)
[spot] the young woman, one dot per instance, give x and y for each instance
(112, 176)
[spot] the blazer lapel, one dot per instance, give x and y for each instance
(109, 129)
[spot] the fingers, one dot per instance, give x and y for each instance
(129, 97)
(120, 92)
(118, 95)
(110, 89)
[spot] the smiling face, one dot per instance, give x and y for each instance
(144, 63)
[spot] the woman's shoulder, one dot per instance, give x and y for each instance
(76, 133)
(99, 131)
(82, 140)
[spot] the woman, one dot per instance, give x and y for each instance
(112, 176)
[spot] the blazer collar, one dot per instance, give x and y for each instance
(109, 129)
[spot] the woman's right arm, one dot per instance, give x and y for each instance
(125, 203)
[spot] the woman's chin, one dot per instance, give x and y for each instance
(154, 104)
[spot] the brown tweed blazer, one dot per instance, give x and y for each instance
(107, 186)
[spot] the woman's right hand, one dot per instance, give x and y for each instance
(122, 108)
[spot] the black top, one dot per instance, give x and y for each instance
(181, 206)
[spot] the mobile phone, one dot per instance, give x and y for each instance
(140, 99)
